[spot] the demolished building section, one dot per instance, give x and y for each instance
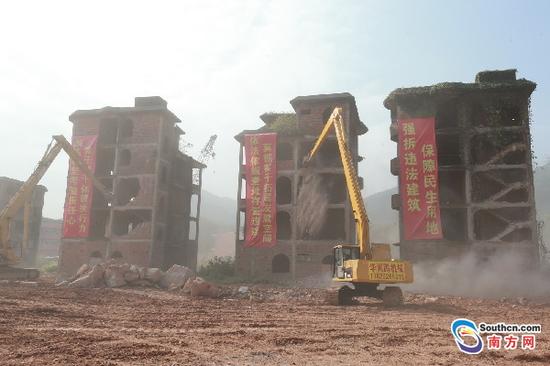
(153, 219)
(29, 250)
(485, 165)
(299, 252)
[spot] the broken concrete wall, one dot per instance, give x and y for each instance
(485, 164)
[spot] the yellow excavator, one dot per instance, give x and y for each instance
(358, 270)
(9, 258)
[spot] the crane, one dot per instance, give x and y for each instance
(206, 153)
(8, 257)
(358, 269)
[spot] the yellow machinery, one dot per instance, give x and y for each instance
(8, 257)
(359, 269)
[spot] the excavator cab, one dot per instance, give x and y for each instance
(341, 254)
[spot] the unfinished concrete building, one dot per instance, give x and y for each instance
(8, 188)
(154, 217)
(298, 255)
(485, 171)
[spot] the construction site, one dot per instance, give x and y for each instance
(391, 224)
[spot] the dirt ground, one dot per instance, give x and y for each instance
(46, 325)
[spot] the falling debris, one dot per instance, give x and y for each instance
(312, 206)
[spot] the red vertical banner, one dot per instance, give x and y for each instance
(261, 175)
(78, 199)
(418, 178)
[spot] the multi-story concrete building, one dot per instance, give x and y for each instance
(483, 139)
(154, 217)
(297, 254)
(8, 188)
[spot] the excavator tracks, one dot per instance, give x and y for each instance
(339, 296)
(391, 296)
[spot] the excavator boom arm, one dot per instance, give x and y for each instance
(18, 201)
(352, 180)
(20, 198)
(75, 157)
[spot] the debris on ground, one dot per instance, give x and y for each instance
(114, 274)
(150, 326)
(176, 277)
(197, 287)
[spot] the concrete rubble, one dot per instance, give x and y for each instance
(176, 277)
(114, 274)
(197, 287)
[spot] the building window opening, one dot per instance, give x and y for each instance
(284, 191)
(105, 162)
(329, 154)
(280, 264)
(284, 151)
(127, 190)
(447, 115)
(243, 188)
(124, 222)
(126, 128)
(242, 225)
(194, 209)
(284, 228)
(107, 131)
(192, 230)
(124, 157)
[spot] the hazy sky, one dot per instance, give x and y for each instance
(220, 64)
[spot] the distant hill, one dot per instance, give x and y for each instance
(222, 210)
(217, 226)
(383, 219)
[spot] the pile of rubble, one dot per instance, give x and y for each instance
(115, 274)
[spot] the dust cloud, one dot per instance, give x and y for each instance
(312, 206)
(321, 280)
(502, 275)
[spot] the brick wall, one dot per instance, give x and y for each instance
(138, 158)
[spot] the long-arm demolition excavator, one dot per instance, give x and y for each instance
(358, 270)
(8, 256)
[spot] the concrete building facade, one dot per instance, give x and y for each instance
(486, 189)
(154, 217)
(8, 188)
(298, 255)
